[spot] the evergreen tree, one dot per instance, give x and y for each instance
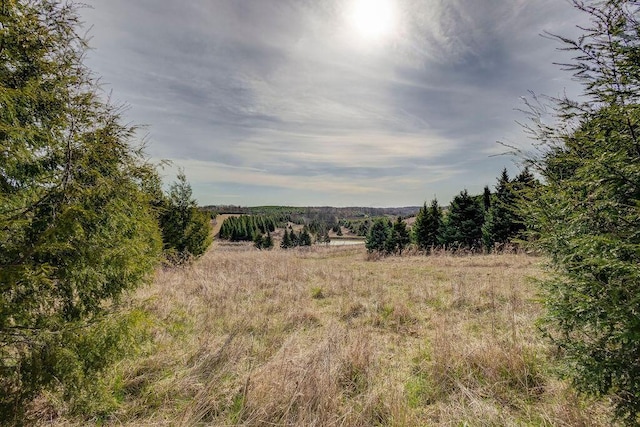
(584, 214)
(391, 242)
(258, 240)
(304, 238)
(435, 224)
(286, 240)
(362, 228)
(295, 238)
(77, 227)
(398, 237)
(267, 241)
(500, 222)
(186, 230)
(524, 181)
(521, 185)
(428, 226)
(463, 224)
(377, 236)
(419, 229)
(244, 227)
(503, 190)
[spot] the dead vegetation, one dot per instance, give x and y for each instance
(325, 337)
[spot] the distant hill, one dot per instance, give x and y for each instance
(317, 211)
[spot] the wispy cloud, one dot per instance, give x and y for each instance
(276, 101)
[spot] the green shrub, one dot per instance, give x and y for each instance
(186, 230)
(585, 215)
(77, 225)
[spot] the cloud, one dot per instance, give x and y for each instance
(277, 98)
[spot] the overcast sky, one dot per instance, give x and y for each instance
(328, 102)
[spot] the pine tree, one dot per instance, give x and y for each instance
(377, 236)
(419, 229)
(397, 238)
(524, 181)
(391, 241)
(435, 226)
(267, 241)
(295, 238)
(502, 188)
(463, 224)
(499, 225)
(427, 229)
(584, 214)
(286, 240)
(304, 238)
(258, 240)
(186, 230)
(76, 219)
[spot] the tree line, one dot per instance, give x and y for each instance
(258, 229)
(291, 239)
(485, 222)
(247, 227)
(474, 223)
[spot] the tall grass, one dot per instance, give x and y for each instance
(325, 337)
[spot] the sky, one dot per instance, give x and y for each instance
(329, 102)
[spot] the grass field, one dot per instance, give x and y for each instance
(326, 337)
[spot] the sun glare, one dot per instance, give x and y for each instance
(373, 19)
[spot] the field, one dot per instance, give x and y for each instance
(327, 337)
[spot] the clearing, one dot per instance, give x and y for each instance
(326, 337)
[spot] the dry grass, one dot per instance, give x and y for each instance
(325, 337)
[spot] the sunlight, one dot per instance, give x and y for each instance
(373, 19)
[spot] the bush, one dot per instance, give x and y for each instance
(77, 225)
(585, 215)
(186, 230)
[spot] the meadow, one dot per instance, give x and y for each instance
(330, 337)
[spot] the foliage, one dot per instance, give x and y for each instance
(245, 227)
(428, 226)
(377, 237)
(263, 241)
(503, 221)
(77, 225)
(291, 240)
(323, 237)
(586, 214)
(286, 242)
(186, 230)
(388, 238)
(397, 238)
(304, 239)
(360, 227)
(500, 217)
(463, 224)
